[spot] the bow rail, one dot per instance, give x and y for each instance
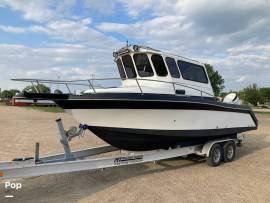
(90, 83)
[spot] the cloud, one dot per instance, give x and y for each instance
(14, 29)
(150, 29)
(68, 30)
(241, 79)
(45, 11)
(68, 61)
(227, 25)
(73, 49)
(105, 7)
(234, 37)
(35, 10)
(138, 7)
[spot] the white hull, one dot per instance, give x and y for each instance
(163, 119)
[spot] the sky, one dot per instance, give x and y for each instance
(72, 39)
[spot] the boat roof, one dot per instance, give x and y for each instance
(140, 48)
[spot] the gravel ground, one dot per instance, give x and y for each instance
(247, 179)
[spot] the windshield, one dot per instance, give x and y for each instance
(120, 68)
(143, 65)
(129, 67)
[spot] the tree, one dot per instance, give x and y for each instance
(40, 88)
(8, 94)
(265, 93)
(253, 95)
(14, 92)
(57, 91)
(241, 95)
(216, 79)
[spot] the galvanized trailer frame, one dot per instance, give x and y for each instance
(72, 161)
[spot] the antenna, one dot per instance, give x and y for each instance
(58, 78)
(92, 76)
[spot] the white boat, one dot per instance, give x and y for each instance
(165, 100)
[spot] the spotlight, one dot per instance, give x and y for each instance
(135, 47)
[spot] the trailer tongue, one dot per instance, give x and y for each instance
(71, 161)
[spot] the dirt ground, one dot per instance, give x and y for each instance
(247, 179)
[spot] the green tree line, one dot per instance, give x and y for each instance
(8, 94)
(251, 94)
(254, 95)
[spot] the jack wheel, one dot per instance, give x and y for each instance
(229, 151)
(215, 155)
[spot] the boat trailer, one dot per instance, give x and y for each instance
(215, 151)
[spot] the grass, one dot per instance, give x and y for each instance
(258, 108)
(52, 109)
(2, 103)
(265, 111)
(262, 112)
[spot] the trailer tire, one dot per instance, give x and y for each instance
(229, 151)
(215, 155)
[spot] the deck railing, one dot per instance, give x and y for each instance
(90, 84)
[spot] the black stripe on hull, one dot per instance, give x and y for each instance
(142, 104)
(143, 140)
(137, 101)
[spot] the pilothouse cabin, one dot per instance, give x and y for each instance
(158, 72)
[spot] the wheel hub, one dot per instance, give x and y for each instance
(230, 151)
(216, 155)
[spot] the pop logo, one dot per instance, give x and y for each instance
(13, 186)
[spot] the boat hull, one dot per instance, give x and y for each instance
(163, 119)
(152, 121)
(143, 140)
(148, 129)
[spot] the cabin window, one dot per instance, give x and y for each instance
(192, 72)
(143, 65)
(120, 68)
(174, 71)
(159, 65)
(129, 67)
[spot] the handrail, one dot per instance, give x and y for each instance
(175, 83)
(92, 86)
(75, 82)
(139, 86)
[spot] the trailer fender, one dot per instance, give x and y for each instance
(207, 146)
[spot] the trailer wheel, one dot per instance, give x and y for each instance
(229, 151)
(215, 155)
